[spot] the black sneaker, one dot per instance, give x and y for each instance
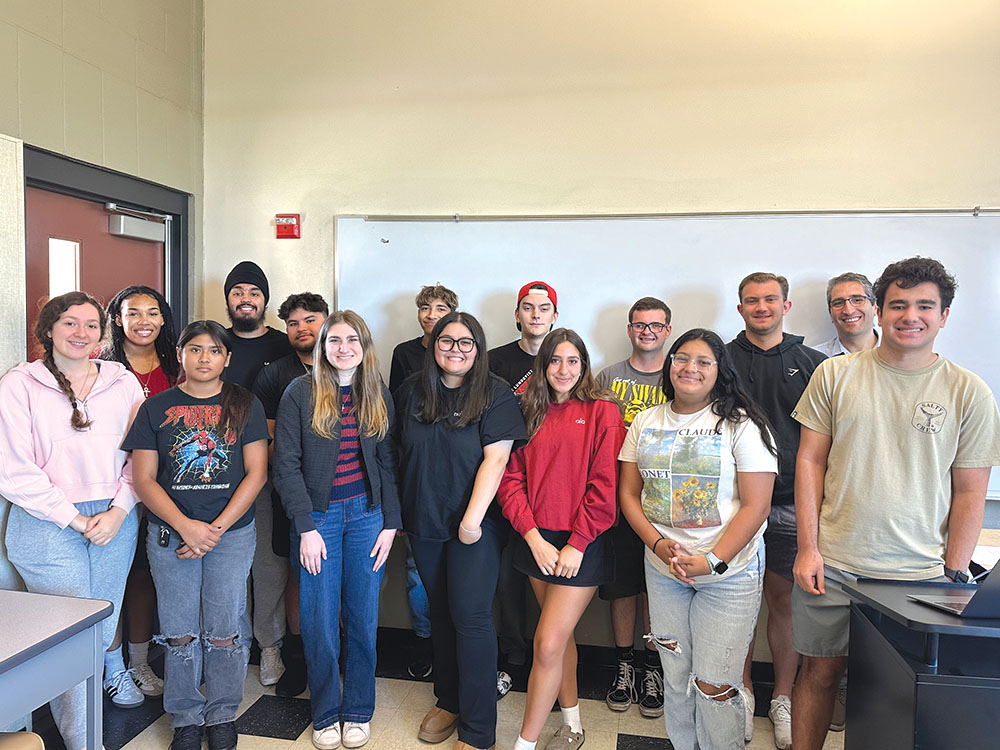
(420, 668)
(622, 693)
(651, 702)
(222, 736)
(504, 683)
(186, 738)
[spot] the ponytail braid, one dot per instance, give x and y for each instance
(79, 420)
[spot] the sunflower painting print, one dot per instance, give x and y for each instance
(681, 478)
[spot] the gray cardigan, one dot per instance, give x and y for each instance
(305, 463)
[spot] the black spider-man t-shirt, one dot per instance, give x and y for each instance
(199, 467)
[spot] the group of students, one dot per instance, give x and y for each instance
(85, 439)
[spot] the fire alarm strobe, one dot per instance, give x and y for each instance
(287, 226)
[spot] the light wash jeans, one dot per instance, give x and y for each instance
(204, 599)
(61, 561)
(712, 624)
(345, 593)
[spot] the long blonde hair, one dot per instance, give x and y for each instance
(368, 403)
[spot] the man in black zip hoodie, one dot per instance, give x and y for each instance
(775, 368)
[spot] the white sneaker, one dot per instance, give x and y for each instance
(356, 733)
(122, 690)
(271, 666)
(748, 706)
(146, 680)
(780, 714)
(327, 738)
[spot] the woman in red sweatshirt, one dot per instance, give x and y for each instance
(559, 494)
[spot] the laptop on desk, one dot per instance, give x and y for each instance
(983, 601)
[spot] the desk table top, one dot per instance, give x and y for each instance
(31, 623)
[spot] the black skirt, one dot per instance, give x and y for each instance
(597, 568)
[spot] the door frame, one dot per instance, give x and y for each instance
(61, 174)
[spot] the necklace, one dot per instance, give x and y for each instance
(149, 375)
(145, 383)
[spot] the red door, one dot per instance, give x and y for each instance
(90, 258)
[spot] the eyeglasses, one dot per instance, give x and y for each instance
(654, 327)
(447, 343)
(701, 363)
(856, 300)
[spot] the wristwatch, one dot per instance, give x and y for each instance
(958, 576)
(716, 565)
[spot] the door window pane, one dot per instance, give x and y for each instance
(64, 266)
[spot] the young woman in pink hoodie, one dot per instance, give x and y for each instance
(72, 529)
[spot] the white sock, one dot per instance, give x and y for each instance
(523, 744)
(138, 653)
(571, 716)
(113, 662)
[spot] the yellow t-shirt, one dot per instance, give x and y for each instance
(896, 436)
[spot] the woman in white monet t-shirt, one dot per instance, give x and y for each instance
(695, 484)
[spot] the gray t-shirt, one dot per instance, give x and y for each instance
(634, 390)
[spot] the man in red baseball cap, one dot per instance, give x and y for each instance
(535, 314)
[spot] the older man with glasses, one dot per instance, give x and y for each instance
(851, 303)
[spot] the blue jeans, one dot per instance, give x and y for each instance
(461, 580)
(349, 530)
(61, 561)
(203, 599)
(416, 596)
(709, 626)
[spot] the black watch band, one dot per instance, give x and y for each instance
(958, 576)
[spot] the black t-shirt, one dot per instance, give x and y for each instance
(438, 466)
(514, 365)
(407, 358)
(272, 381)
(251, 355)
(198, 467)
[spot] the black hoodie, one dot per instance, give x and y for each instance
(776, 378)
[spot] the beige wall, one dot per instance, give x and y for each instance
(583, 107)
(116, 83)
(394, 107)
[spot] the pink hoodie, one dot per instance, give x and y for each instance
(46, 465)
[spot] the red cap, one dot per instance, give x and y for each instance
(527, 289)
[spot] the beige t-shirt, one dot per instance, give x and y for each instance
(896, 436)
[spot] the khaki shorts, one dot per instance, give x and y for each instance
(821, 623)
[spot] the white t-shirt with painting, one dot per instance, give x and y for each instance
(688, 464)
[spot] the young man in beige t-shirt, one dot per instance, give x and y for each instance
(893, 464)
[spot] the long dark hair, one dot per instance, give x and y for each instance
(538, 396)
(235, 401)
(47, 318)
(166, 340)
(730, 401)
(476, 391)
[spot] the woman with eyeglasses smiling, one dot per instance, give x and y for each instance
(695, 483)
(457, 425)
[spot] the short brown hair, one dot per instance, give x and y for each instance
(649, 303)
(762, 277)
(436, 291)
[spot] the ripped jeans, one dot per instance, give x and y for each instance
(703, 632)
(203, 600)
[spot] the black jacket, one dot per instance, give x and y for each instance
(305, 463)
(776, 378)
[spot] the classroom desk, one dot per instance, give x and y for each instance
(919, 677)
(48, 644)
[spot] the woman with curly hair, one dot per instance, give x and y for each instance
(695, 484)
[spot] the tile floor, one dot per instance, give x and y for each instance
(270, 723)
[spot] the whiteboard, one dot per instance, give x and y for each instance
(600, 266)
